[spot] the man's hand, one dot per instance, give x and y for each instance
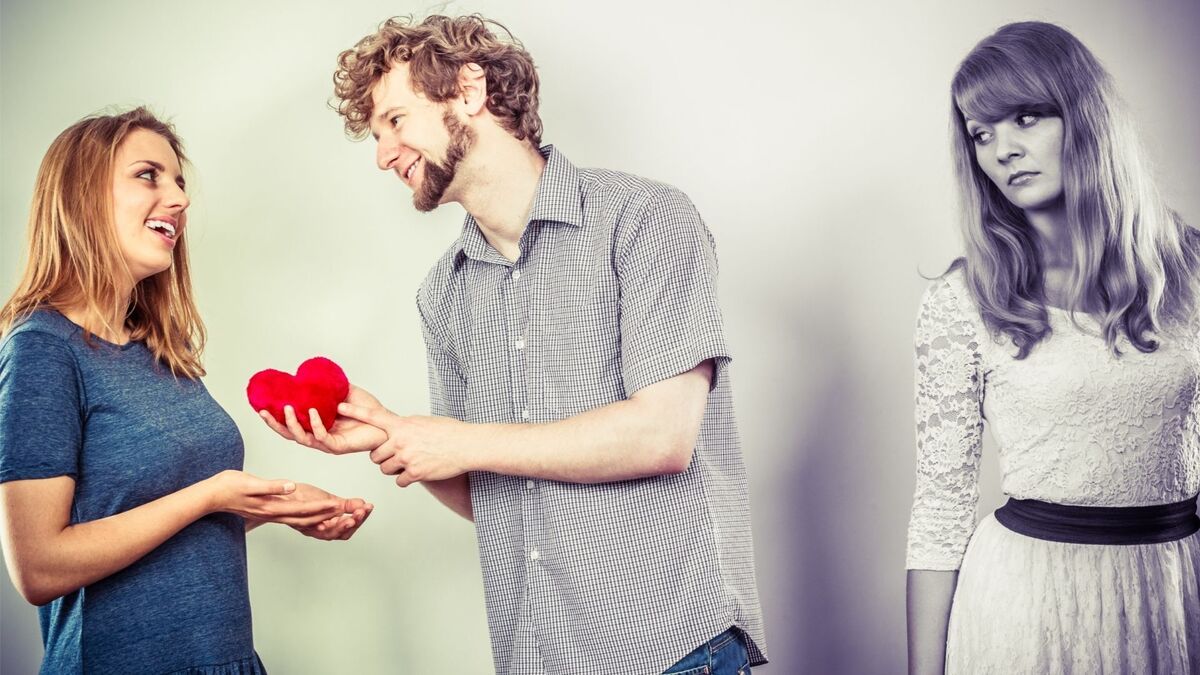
(345, 436)
(416, 448)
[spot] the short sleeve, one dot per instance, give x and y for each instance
(41, 420)
(669, 316)
(949, 424)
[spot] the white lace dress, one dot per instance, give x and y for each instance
(1074, 425)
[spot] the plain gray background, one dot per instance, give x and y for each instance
(812, 136)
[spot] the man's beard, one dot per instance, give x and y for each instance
(439, 176)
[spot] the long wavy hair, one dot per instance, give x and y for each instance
(75, 260)
(1135, 261)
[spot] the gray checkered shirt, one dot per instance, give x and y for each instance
(614, 290)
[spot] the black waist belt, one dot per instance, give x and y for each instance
(1111, 525)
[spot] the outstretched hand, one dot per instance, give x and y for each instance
(255, 498)
(346, 435)
(340, 527)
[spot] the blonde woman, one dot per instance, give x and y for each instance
(1070, 326)
(124, 507)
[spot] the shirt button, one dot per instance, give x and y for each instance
(525, 414)
(520, 344)
(534, 555)
(529, 485)
(516, 275)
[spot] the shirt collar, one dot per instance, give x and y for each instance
(557, 200)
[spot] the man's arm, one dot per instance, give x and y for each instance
(454, 493)
(651, 433)
(672, 351)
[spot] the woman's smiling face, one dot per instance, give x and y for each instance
(149, 202)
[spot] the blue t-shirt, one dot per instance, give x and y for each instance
(128, 431)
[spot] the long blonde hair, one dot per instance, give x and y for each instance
(1132, 254)
(75, 261)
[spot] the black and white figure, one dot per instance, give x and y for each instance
(1070, 326)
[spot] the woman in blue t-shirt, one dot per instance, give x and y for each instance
(124, 504)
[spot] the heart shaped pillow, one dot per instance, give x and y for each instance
(318, 383)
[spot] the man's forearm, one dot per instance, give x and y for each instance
(455, 493)
(650, 434)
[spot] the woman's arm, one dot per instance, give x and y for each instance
(48, 557)
(949, 420)
(929, 596)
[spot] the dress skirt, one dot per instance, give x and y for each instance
(1025, 605)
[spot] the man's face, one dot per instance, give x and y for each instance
(420, 140)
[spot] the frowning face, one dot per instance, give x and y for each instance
(1022, 155)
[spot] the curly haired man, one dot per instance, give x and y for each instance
(578, 372)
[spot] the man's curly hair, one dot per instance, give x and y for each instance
(435, 49)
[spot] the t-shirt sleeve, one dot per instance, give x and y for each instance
(670, 319)
(41, 424)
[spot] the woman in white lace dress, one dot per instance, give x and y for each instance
(1070, 326)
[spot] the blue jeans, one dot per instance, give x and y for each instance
(723, 655)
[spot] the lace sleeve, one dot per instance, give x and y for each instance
(949, 399)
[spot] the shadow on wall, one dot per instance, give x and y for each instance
(841, 485)
(818, 539)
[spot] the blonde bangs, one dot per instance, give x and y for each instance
(991, 89)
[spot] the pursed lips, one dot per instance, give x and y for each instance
(1019, 175)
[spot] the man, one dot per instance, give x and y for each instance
(578, 373)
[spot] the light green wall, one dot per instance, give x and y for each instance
(813, 138)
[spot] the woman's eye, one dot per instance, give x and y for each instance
(396, 120)
(149, 174)
(1027, 119)
(981, 137)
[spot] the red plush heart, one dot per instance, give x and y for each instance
(318, 383)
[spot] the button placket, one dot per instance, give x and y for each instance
(518, 318)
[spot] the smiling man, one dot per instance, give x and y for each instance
(579, 384)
